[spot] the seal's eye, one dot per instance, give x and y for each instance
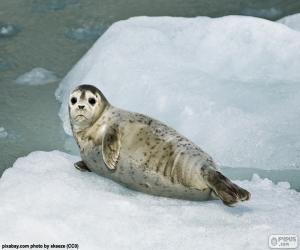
(92, 101)
(73, 100)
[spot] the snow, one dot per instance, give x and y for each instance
(44, 199)
(37, 76)
(230, 84)
(3, 133)
(292, 21)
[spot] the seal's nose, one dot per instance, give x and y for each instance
(81, 106)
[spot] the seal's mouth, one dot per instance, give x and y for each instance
(80, 117)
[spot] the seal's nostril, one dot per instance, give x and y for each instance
(81, 106)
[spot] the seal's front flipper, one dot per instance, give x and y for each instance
(111, 148)
(226, 190)
(80, 165)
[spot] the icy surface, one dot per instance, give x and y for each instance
(230, 84)
(292, 21)
(44, 199)
(37, 76)
(3, 133)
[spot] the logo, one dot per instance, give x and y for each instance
(283, 241)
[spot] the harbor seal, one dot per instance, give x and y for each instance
(142, 153)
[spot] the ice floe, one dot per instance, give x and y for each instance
(85, 33)
(269, 13)
(51, 5)
(3, 133)
(44, 199)
(8, 30)
(4, 65)
(37, 76)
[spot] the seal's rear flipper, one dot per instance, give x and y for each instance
(226, 190)
(80, 165)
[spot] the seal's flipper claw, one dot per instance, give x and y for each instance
(226, 190)
(80, 165)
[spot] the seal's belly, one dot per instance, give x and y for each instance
(140, 177)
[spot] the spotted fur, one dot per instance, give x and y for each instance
(144, 154)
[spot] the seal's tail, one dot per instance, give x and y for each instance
(227, 191)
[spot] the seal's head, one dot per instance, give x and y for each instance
(86, 104)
